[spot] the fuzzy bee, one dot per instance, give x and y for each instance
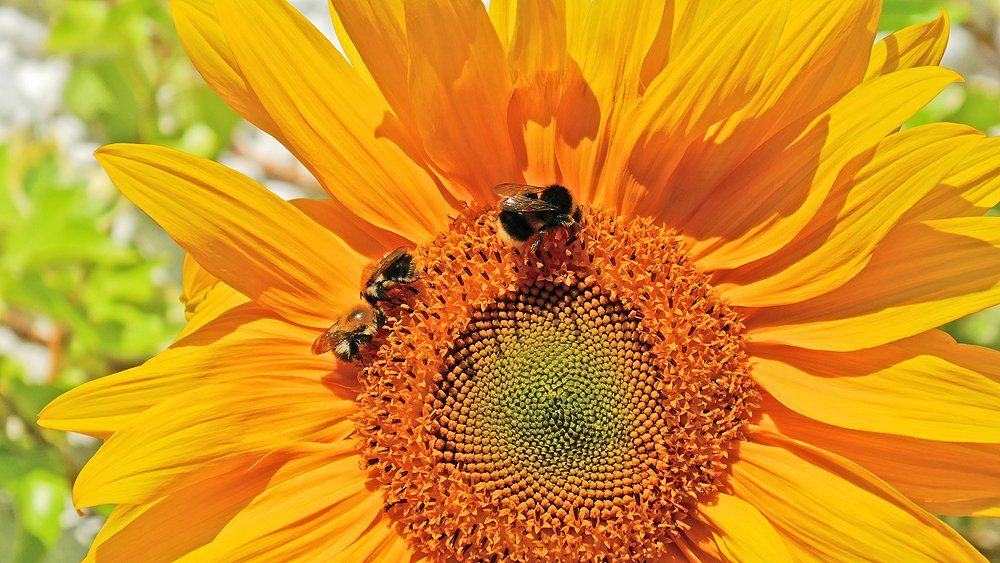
(527, 211)
(360, 325)
(396, 268)
(355, 329)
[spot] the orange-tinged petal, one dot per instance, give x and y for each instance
(207, 430)
(736, 531)
(537, 60)
(768, 199)
(952, 478)
(201, 34)
(245, 342)
(344, 132)
(684, 100)
(821, 54)
(463, 84)
(897, 388)
(239, 231)
(921, 276)
(917, 45)
(606, 53)
(838, 242)
(826, 507)
(315, 507)
(971, 190)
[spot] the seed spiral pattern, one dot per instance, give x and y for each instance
(549, 398)
(567, 408)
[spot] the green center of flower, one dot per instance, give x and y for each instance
(547, 399)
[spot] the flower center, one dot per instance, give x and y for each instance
(546, 398)
(572, 407)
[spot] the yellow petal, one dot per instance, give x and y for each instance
(898, 388)
(768, 199)
(209, 49)
(365, 238)
(345, 133)
(736, 531)
(921, 276)
(828, 508)
(679, 23)
(917, 45)
(239, 231)
(206, 46)
(376, 33)
(245, 342)
(684, 100)
(209, 305)
(153, 531)
(971, 190)
(860, 210)
(461, 79)
(606, 54)
(207, 430)
(381, 542)
(314, 508)
(952, 478)
(195, 280)
(822, 52)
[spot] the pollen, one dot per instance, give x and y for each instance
(567, 406)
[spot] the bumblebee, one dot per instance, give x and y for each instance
(355, 329)
(527, 211)
(360, 325)
(395, 268)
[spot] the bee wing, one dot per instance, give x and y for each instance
(384, 263)
(510, 190)
(329, 340)
(522, 204)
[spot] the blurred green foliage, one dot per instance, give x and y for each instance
(88, 286)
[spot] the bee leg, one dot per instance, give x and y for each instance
(536, 246)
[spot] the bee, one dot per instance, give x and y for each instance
(355, 329)
(395, 268)
(358, 326)
(530, 210)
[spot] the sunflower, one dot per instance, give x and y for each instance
(730, 353)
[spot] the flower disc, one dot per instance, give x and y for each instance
(567, 407)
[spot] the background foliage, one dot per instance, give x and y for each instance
(89, 286)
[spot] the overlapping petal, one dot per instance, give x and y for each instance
(826, 507)
(733, 530)
(683, 101)
(208, 431)
(246, 343)
(860, 210)
(911, 387)
(921, 276)
(821, 53)
(316, 507)
(954, 478)
(774, 194)
(917, 45)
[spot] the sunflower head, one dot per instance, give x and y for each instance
(698, 338)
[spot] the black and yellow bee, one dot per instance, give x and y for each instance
(358, 326)
(527, 211)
